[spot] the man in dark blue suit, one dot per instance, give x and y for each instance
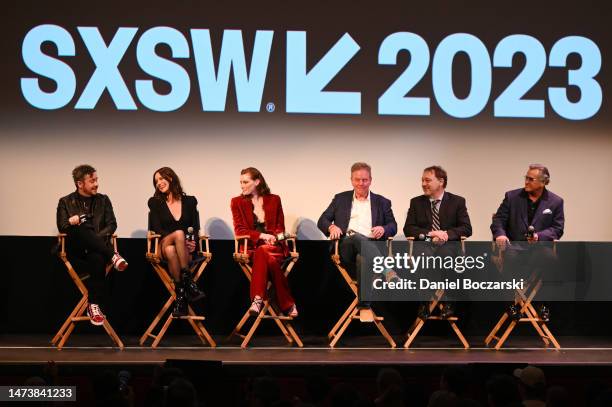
(530, 214)
(357, 218)
(532, 205)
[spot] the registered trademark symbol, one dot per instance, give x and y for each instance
(270, 107)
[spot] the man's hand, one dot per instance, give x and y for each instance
(533, 239)
(268, 239)
(441, 235)
(334, 232)
(502, 241)
(191, 245)
(74, 220)
(378, 232)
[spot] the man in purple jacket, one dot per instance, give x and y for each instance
(531, 214)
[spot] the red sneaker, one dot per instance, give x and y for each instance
(119, 262)
(96, 317)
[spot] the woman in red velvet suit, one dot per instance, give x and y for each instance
(259, 214)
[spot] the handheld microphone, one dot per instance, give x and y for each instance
(424, 238)
(282, 236)
(530, 232)
(190, 235)
(84, 218)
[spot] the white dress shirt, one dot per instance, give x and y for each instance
(361, 216)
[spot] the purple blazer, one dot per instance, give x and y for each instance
(511, 217)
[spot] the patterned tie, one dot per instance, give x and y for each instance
(435, 215)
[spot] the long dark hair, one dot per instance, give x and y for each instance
(255, 174)
(175, 187)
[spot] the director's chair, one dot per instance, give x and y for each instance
(523, 298)
(197, 268)
(435, 307)
(352, 312)
(78, 314)
(270, 309)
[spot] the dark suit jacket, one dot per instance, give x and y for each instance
(339, 213)
(511, 217)
(242, 213)
(454, 218)
(161, 220)
(103, 220)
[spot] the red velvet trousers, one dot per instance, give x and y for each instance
(267, 260)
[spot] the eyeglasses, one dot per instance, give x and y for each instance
(531, 179)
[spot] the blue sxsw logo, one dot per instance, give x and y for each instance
(304, 88)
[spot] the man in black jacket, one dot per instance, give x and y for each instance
(89, 222)
(437, 216)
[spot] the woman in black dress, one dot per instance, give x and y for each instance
(172, 213)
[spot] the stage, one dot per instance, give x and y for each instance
(94, 349)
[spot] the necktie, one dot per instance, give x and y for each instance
(435, 215)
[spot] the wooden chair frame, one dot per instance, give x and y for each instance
(270, 309)
(352, 312)
(154, 257)
(78, 314)
(435, 304)
(523, 298)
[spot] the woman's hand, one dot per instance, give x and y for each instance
(268, 239)
(191, 245)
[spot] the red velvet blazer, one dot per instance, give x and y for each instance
(242, 213)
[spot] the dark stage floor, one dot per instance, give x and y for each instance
(272, 351)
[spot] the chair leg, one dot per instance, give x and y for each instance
(73, 314)
(345, 325)
(199, 329)
(249, 335)
(533, 317)
(155, 321)
(280, 324)
(238, 327)
(465, 343)
(70, 328)
(348, 311)
(162, 332)
(383, 331)
(207, 336)
(294, 334)
(503, 338)
(412, 334)
(496, 328)
(551, 336)
(111, 332)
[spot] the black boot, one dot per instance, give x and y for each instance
(180, 304)
(192, 291)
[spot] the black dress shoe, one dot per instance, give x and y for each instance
(423, 312)
(514, 312)
(544, 313)
(447, 311)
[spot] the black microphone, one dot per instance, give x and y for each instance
(530, 232)
(424, 238)
(190, 234)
